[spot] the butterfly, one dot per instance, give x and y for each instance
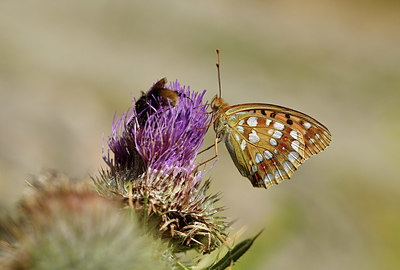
(156, 97)
(267, 142)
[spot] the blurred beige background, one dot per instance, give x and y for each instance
(66, 66)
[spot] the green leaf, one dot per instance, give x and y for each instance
(234, 254)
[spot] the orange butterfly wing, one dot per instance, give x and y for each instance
(267, 142)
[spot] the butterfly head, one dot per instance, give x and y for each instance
(219, 105)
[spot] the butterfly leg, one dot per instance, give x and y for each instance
(214, 157)
(211, 146)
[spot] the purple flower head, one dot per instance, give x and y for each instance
(155, 146)
(171, 138)
(168, 140)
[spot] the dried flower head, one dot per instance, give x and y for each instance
(154, 168)
(67, 225)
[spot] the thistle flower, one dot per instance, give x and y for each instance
(154, 168)
(171, 138)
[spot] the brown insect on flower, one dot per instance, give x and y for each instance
(156, 97)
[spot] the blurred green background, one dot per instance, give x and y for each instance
(66, 66)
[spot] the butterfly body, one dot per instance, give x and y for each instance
(267, 142)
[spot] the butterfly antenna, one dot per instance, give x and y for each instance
(219, 73)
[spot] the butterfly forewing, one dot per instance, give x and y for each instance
(268, 143)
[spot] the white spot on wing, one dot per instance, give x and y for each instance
(237, 137)
(243, 145)
(317, 136)
(312, 140)
(293, 156)
(240, 129)
(254, 168)
(252, 121)
(295, 145)
(279, 126)
(268, 122)
(258, 158)
(293, 133)
(307, 125)
(273, 142)
(268, 177)
(279, 173)
(287, 166)
(241, 122)
(253, 137)
(267, 154)
(277, 134)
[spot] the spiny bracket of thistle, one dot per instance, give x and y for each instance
(152, 169)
